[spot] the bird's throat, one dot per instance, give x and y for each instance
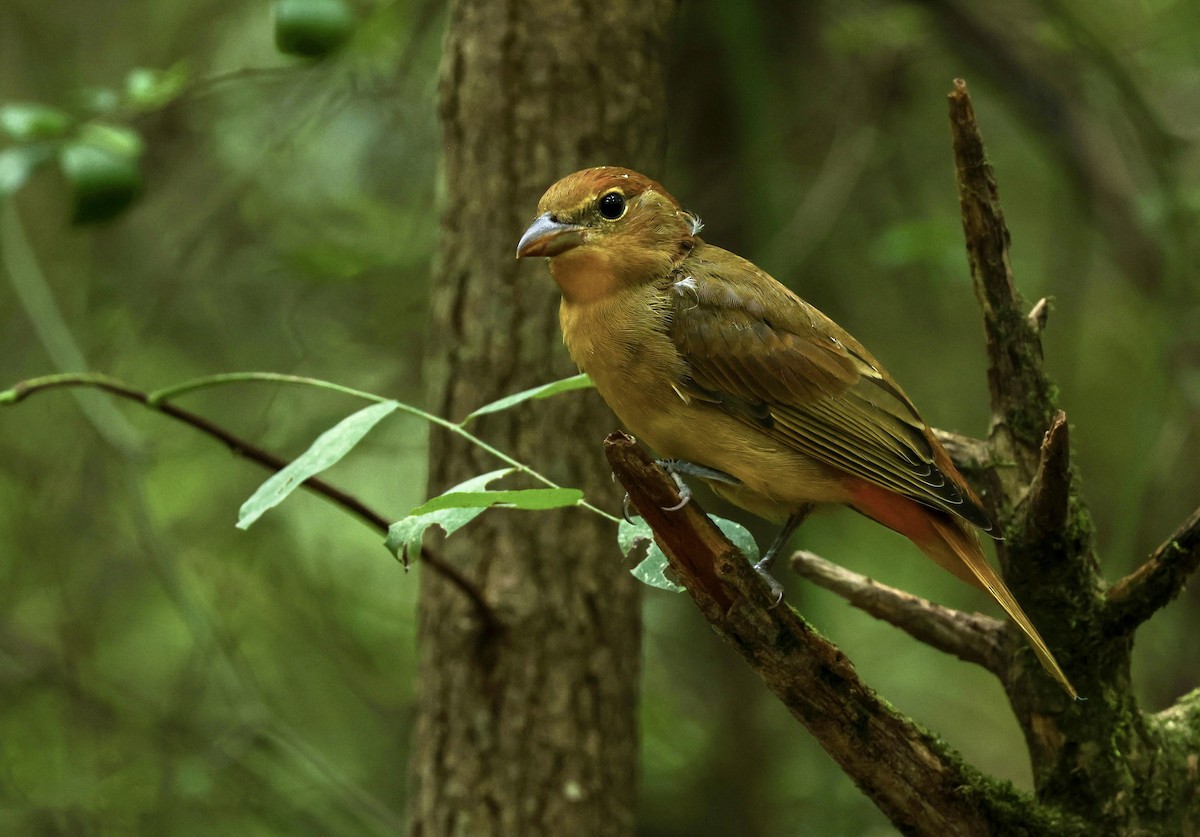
(584, 275)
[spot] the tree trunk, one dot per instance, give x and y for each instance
(529, 729)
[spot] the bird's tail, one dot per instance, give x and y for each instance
(948, 542)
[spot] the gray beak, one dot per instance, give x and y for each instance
(547, 237)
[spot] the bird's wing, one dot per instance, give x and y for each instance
(758, 351)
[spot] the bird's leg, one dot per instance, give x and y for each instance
(676, 468)
(763, 567)
(679, 467)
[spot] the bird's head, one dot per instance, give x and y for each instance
(608, 227)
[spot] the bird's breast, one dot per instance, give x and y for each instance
(621, 342)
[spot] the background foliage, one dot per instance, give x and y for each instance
(160, 669)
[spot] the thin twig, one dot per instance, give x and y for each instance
(240, 447)
(1149, 588)
(972, 637)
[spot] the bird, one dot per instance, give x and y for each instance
(731, 377)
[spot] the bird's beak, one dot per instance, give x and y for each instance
(547, 237)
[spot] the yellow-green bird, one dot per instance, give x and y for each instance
(739, 381)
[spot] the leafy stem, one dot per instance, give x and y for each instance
(209, 381)
(160, 401)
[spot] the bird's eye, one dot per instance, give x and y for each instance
(612, 206)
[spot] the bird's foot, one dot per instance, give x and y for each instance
(678, 468)
(681, 468)
(683, 489)
(675, 467)
(685, 497)
(763, 567)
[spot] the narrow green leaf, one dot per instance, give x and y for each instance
(405, 535)
(534, 499)
(120, 140)
(543, 391)
(328, 449)
(28, 121)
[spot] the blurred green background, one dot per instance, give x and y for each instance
(163, 672)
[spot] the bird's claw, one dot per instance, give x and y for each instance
(677, 467)
(763, 568)
(685, 493)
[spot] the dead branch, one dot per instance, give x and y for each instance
(972, 637)
(1153, 585)
(1049, 498)
(1022, 399)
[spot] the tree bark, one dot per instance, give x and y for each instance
(529, 729)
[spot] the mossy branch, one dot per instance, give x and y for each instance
(1153, 585)
(919, 783)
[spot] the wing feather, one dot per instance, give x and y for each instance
(758, 351)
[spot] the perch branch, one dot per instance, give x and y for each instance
(1139, 595)
(972, 637)
(240, 447)
(914, 779)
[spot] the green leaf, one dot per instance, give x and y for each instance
(99, 100)
(28, 121)
(405, 535)
(17, 164)
(150, 89)
(102, 183)
(739, 536)
(328, 449)
(534, 499)
(543, 391)
(120, 140)
(652, 570)
(312, 28)
(102, 167)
